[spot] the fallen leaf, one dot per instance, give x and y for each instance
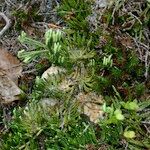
(10, 64)
(9, 91)
(125, 40)
(54, 26)
(28, 29)
(10, 70)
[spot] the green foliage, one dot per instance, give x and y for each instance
(123, 67)
(79, 60)
(59, 130)
(59, 121)
(51, 119)
(122, 121)
(25, 15)
(74, 13)
(129, 134)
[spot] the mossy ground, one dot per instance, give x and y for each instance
(109, 57)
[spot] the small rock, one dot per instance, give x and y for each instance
(53, 70)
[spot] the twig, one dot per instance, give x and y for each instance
(134, 16)
(29, 71)
(9, 3)
(147, 64)
(143, 57)
(138, 48)
(8, 23)
(147, 128)
(126, 147)
(145, 122)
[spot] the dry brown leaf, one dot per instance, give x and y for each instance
(54, 26)
(10, 69)
(126, 41)
(10, 64)
(29, 30)
(9, 91)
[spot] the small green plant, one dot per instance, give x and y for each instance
(74, 13)
(58, 51)
(122, 121)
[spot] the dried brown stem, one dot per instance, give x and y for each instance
(8, 23)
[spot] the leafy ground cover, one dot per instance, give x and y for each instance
(90, 75)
